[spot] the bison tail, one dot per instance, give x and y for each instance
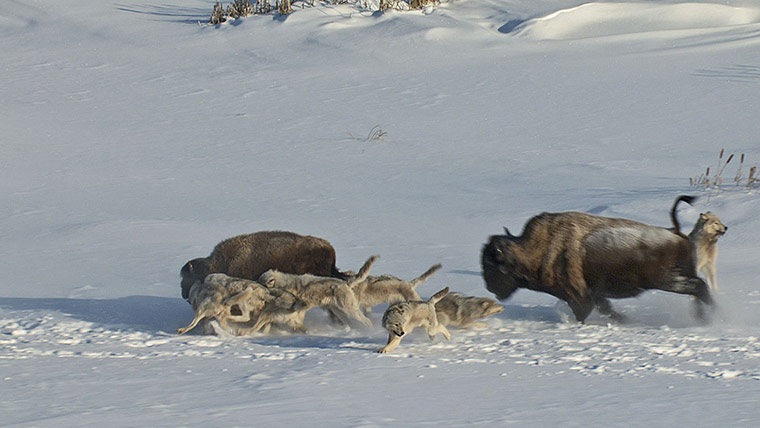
(683, 198)
(335, 273)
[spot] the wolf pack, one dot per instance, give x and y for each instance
(253, 283)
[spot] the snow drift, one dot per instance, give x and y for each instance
(614, 19)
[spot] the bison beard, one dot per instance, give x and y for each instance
(585, 259)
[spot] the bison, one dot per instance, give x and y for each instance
(248, 256)
(585, 259)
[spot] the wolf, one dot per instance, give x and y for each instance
(331, 293)
(463, 311)
(387, 289)
(401, 318)
(704, 237)
(275, 306)
(210, 297)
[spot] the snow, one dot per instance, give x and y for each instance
(620, 18)
(135, 138)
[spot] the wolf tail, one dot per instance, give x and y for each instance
(438, 296)
(428, 273)
(363, 272)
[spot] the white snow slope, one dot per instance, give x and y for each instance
(134, 139)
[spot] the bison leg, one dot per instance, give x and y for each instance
(695, 287)
(581, 308)
(605, 307)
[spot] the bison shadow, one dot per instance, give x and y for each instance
(652, 310)
(143, 313)
(539, 313)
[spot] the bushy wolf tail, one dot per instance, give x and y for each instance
(363, 272)
(438, 296)
(424, 277)
(673, 218)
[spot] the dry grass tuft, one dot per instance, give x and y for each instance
(239, 9)
(405, 4)
(375, 134)
(716, 181)
(243, 8)
(284, 7)
(217, 15)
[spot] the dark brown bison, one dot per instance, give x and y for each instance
(248, 256)
(585, 259)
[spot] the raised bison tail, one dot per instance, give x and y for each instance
(683, 198)
(335, 273)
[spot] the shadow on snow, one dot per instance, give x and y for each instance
(147, 313)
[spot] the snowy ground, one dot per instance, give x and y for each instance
(135, 138)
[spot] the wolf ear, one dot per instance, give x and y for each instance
(702, 216)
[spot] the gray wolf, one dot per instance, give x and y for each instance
(333, 294)
(704, 237)
(207, 298)
(377, 289)
(401, 318)
(274, 306)
(463, 311)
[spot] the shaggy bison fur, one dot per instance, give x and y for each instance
(248, 256)
(585, 259)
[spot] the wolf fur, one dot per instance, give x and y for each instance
(401, 318)
(377, 289)
(246, 306)
(464, 311)
(585, 259)
(274, 307)
(704, 237)
(207, 298)
(248, 256)
(333, 294)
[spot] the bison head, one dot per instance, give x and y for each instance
(192, 271)
(500, 267)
